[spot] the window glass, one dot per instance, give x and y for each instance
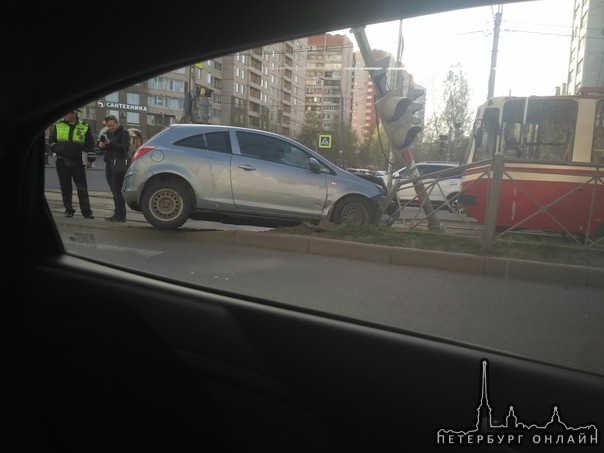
(133, 118)
(270, 167)
(297, 157)
(213, 141)
(540, 129)
(261, 146)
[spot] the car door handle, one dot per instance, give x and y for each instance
(247, 167)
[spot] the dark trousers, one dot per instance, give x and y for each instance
(115, 182)
(68, 170)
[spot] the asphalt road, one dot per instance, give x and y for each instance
(95, 176)
(555, 323)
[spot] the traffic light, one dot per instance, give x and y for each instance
(396, 113)
(201, 109)
(442, 145)
(205, 103)
(415, 92)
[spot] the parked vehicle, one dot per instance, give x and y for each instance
(240, 175)
(553, 148)
(442, 186)
(377, 176)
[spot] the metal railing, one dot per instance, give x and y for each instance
(498, 174)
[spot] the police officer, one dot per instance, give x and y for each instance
(68, 139)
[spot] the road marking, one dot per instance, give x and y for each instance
(87, 240)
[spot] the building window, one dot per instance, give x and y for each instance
(133, 118)
(133, 98)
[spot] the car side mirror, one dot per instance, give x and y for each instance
(314, 165)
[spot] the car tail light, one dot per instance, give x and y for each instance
(142, 151)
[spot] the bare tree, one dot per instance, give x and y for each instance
(456, 95)
(454, 118)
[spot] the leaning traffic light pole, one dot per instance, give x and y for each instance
(396, 113)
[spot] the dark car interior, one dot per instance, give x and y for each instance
(100, 358)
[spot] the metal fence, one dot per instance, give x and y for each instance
(578, 199)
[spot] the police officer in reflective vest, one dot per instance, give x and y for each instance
(68, 140)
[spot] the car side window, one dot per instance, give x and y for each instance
(296, 157)
(403, 174)
(212, 141)
(432, 169)
(260, 146)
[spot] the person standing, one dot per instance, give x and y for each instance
(68, 139)
(116, 144)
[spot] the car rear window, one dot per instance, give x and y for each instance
(212, 141)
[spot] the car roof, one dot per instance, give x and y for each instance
(432, 164)
(435, 163)
(217, 127)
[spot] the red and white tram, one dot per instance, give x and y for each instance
(553, 154)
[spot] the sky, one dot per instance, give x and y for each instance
(532, 57)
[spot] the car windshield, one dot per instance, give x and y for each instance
(234, 178)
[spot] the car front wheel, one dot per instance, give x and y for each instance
(352, 210)
(454, 204)
(166, 204)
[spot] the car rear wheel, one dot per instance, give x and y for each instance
(166, 204)
(353, 210)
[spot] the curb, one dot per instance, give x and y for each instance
(560, 274)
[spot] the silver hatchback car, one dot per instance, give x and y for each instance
(240, 175)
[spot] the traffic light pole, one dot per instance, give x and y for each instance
(422, 195)
(377, 70)
(396, 111)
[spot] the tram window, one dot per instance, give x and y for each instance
(511, 139)
(486, 135)
(545, 129)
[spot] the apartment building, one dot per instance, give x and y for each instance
(269, 87)
(259, 88)
(586, 62)
(363, 101)
(263, 88)
(329, 80)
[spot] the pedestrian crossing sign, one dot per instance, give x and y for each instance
(324, 141)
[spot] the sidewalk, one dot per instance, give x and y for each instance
(102, 207)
